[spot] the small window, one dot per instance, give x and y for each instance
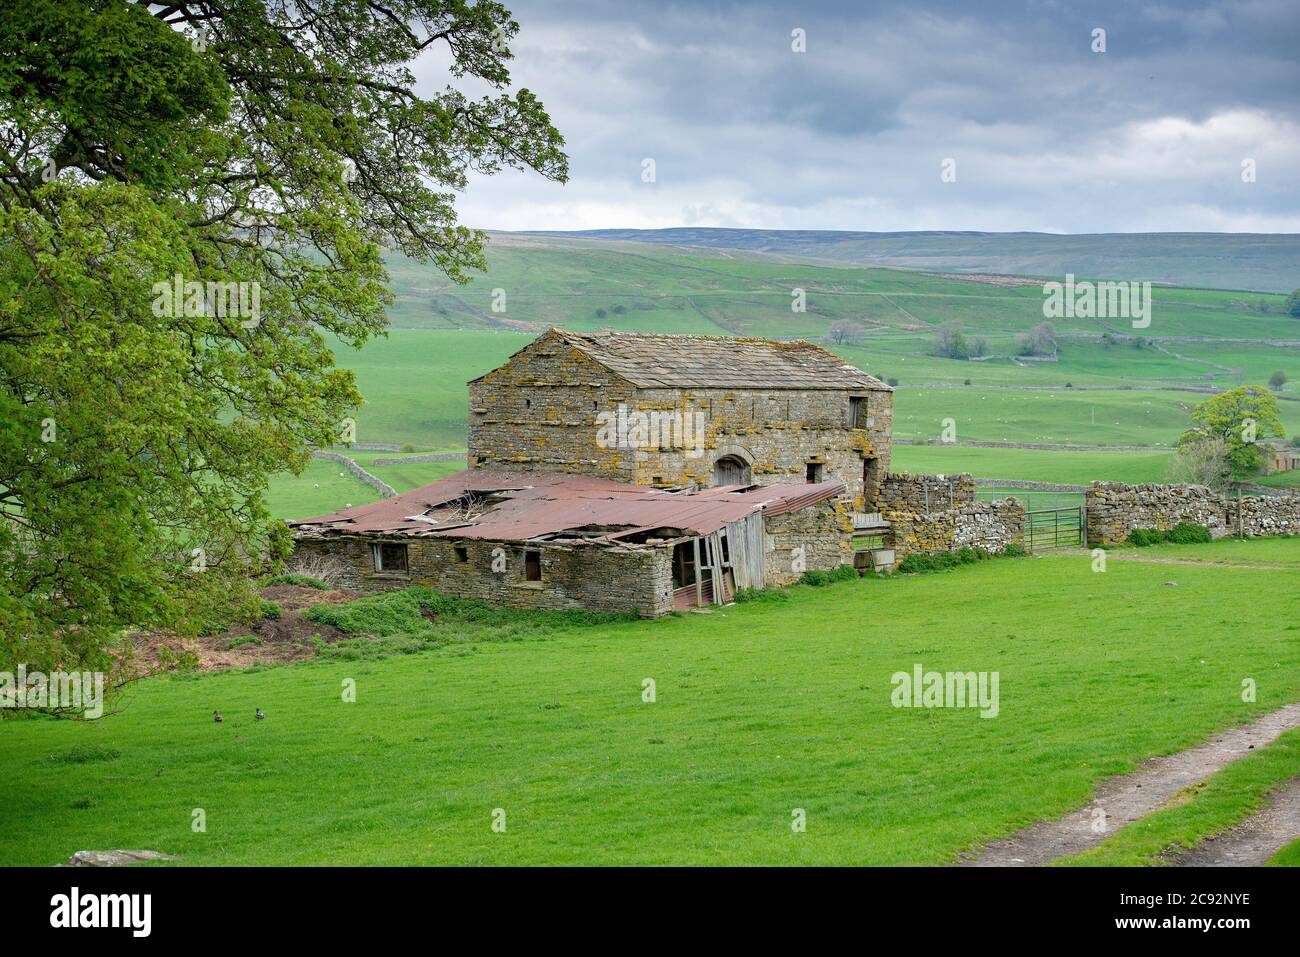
(528, 403)
(813, 473)
(657, 480)
(462, 554)
(532, 566)
(390, 558)
(857, 412)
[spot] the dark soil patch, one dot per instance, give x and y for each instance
(301, 597)
(278, 640)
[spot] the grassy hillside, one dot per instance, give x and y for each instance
(1264, 261)
(647, 287)
(757, 713)
(1102, 392)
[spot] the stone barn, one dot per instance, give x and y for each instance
(620, 471)
(557, 541)
(673, 412)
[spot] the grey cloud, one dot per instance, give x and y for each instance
(1047, 134)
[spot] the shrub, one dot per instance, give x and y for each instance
(892, 381)
(840, 573)
(920, 563)
(1184, 533)
(1142, 537)
(242, 640)
(270, 609)
(763, 595)
(303, 581)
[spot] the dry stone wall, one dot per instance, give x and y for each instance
(1265, 515)
(376, 483)
(990, 526)
(902, 492)
(1115, 510)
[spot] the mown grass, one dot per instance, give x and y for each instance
(760, 708)
(1032, 465)
(1288, 856)
(322, 487)
(1280, 551)
(1226, 799)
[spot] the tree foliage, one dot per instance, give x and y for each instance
(951, 342)
(1239, 418)
(280, 145)
(1293, 304)
(1203, 462)
(1038, 341)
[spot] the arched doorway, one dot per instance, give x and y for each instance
(732, 470)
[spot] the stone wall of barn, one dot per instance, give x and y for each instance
(1115, 510)
(989, 526)
(552, 408)
(583, 576)
(812, 539)
(538, 413)
(778, 433)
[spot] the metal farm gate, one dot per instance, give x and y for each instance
(1055, 528)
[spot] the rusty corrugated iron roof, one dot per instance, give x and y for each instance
(519, 506)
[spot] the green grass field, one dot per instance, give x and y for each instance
(1266, 551)
(1227, 798)
(1032, 465)
(414, 380)
(761, 708)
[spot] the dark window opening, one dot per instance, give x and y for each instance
(683, 564)
(857, 412)
(390, 557)
(462, 553)
(813, 473)
(532, 566)
(528, 403)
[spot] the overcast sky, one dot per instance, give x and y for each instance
(1044, 133)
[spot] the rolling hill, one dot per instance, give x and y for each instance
(1108, 386)
(1268, 262)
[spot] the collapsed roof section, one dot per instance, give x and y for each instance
(522, 507)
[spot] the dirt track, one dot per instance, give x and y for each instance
(1252, 842)
(1127, 798)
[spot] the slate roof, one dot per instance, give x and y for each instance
(667, 361)
(529, 504)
